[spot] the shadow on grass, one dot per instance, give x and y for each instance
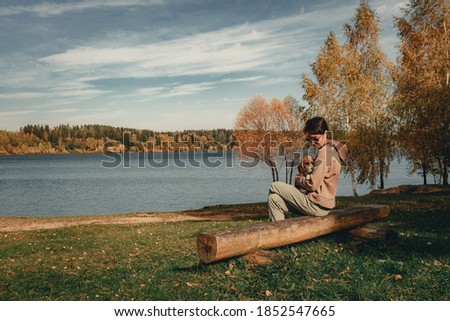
(201, 266)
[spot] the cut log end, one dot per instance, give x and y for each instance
(206, 247)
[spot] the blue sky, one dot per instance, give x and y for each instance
(161, 64)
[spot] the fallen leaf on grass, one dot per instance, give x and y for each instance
(268, 293)
(346, 270)
(193, 284)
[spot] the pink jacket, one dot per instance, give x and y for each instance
(323, 182)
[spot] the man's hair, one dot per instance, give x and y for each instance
(316, 126)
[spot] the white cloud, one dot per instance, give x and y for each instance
(15, 113)
(270, 54)
(80, 93)
(169, 91)
(150, 91)
(90, 56)
(66, 110)
(52, 8)
(243, 79)
(274, 49)
(390, 9)
(179, 89)
(22, 95)
(279, 80)
(190, 89)
(222, 51)
(269, 45)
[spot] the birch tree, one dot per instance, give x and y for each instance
(423, 86)
(353, 92)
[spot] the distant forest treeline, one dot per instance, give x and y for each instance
(41, 139)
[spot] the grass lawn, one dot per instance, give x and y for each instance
(158, 261)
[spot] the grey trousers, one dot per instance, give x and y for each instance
(285, 198)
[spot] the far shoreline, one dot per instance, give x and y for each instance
(106, 152)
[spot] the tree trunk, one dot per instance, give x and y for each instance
(445, 172)
(289, 173)
(351, 171)
(447, 83)
(424, 172)
(224, 244)
(353, 178)
(381, 174)
(275, 171)
(288, 165)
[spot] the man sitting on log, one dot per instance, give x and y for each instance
(321, 184)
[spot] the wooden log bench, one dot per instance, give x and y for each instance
(215, 246)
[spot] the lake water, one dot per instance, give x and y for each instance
(63, 185)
